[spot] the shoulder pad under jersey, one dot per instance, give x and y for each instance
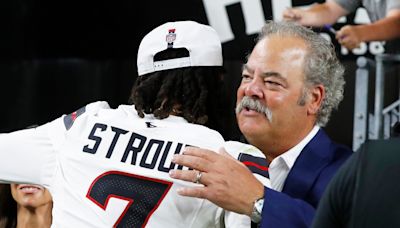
(92, 108)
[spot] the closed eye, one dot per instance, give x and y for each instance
(273, 83)
(246, 77)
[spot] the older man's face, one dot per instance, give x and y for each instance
(272, 85)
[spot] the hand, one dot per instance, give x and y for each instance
(292, 14)
(349, 36)
(227, 182)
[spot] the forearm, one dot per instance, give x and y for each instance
(24, 157)
(316, 15)
(384, 29)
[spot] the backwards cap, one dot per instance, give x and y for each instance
(200, 40)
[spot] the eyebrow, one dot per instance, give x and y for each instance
(265, 74)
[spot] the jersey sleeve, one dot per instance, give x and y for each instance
(28, 156)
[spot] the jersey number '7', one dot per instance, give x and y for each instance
(144, 195)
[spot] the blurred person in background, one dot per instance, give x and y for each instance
(25, 206)
(384, 16)
(365, 191)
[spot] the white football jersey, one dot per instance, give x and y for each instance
(109, 168)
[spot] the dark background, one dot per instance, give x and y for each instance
(57, 56)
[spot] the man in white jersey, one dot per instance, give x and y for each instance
(109, 167)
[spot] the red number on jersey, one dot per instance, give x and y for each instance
(144, 195)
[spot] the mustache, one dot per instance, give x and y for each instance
(253, 104)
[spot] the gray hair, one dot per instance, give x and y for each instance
(322, 66)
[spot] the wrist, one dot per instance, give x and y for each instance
(258, 195)
(256, 213)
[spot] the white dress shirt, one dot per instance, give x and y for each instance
(281, 165)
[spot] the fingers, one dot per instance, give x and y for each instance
(223, 152)
(189, 175)
(186, 175)
(342, 40)
(190, 161)
(341, 35)
(199, 192)
(343, 32)
(348, 37)
(287, 14)
(195, 158)
(348, 42)
(200, 152)
(290, 15)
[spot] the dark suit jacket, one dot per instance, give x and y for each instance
(295, 205)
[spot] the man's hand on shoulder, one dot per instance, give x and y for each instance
(225, 181)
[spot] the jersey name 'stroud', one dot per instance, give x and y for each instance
(136, 144)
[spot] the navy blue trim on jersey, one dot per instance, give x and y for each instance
(255, 164)
(70, 119)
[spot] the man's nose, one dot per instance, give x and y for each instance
(254, 89)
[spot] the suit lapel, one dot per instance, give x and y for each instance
(312, 159)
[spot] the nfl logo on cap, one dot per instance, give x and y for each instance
(170, 37)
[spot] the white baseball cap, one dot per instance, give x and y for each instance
(200, 40)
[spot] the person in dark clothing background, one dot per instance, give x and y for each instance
(365, 192)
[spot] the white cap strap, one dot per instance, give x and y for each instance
(172, 63)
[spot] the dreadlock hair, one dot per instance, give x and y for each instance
(196, 90)
(8, 207)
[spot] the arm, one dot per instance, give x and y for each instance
(25, 156)
(316, 15)
(387, 28)
(281, 210)
(230, 185)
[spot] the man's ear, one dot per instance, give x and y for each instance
(316, 95)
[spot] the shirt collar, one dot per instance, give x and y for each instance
(290, 156)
